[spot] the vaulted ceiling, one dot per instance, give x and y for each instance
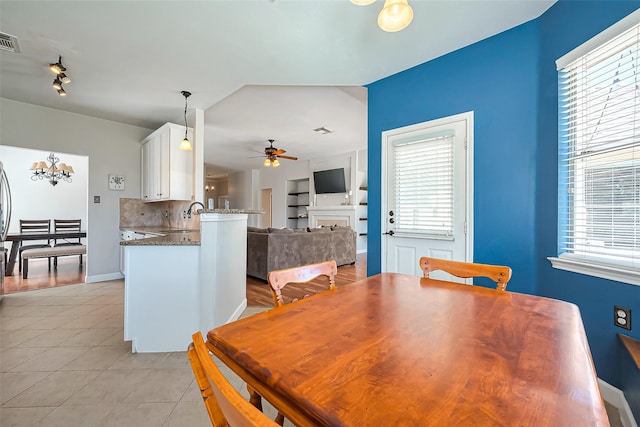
(259, 68)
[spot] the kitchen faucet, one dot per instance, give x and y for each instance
(191, 205)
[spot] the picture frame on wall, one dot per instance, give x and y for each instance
(116, 182)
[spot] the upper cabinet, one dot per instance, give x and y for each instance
(167, 171)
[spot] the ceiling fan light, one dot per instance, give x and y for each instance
(64, 78)
(362, 2)
(185, 145)
(57, 84)
(267, 163)
(276, 163)
(395, 15)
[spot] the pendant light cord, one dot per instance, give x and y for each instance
(185, 117)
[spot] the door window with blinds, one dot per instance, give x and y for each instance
(599, 148)
(424, 186)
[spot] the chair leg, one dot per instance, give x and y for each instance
(25, 268)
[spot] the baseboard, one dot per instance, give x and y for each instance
(238, 312)
(615, 397)
(103, 277)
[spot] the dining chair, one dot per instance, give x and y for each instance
(34, 226)
(67, 225)
(498, 273)
(278, 279)
(225, 406)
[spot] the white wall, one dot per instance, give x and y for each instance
(39, 199)
(112, 148)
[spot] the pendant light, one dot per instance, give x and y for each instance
(185, 144)
(395, 15)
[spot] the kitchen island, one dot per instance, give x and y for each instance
(180, 283)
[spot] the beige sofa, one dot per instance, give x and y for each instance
(271, 249)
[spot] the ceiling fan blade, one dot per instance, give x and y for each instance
(287, 157)
(255, 157)
(279, 151)
(256, 151)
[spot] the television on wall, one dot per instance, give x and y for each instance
(329, 181)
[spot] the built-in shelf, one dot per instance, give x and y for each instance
(297, 217)
(297, 203)
(362, 234)
(363, 187)
(363, 203)
(298, 193)
(297, 206)
(362, 219)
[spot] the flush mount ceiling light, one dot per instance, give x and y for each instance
(58, 69)
(395, 15)
(185, 144)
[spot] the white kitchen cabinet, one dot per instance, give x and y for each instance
(167, 171)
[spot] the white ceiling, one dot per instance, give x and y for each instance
(259, 68)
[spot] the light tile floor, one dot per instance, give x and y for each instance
(63, 362)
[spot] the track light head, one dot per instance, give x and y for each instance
(57, 84)
(61, 92)
(57, 68)
(64, 78)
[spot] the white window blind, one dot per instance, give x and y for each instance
(599, 153)
(423, 193)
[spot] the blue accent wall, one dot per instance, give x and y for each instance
(510, 83)
(564, 27)
(496, 79)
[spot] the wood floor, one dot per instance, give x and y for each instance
(258, 294)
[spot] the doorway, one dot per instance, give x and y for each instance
(427, 194)
(266, 195)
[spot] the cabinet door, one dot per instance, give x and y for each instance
(162, 164)
(147, 177)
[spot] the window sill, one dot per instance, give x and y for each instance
(591, 268)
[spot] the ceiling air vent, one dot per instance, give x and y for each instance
(9, 43)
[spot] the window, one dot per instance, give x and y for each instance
(599, 154)
(423, 194)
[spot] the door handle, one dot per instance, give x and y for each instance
(390, 233)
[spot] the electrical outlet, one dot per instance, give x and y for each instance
(184, 215)
(622, 317)
(96, 199)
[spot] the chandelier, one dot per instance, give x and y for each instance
(52, 171)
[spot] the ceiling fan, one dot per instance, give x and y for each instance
(272, 155)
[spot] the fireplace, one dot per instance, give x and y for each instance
(332, 215)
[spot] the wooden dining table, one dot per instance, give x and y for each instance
(17, 238)
(399, 350)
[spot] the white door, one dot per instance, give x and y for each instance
(427, 194)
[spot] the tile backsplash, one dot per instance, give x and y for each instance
(135, 213)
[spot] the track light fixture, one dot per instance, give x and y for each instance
(185, 144)
(58, 69)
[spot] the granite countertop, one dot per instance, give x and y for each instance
(229, 211)
(166, 237)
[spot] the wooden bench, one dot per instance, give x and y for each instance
(49, 252)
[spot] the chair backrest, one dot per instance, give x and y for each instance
(498, 273)
(67, 225)
(226, 407)
(35, 226)
(278, 279)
